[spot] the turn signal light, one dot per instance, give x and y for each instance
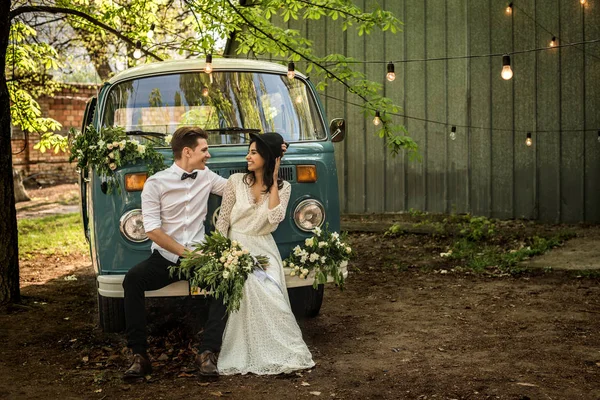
(306, 173)
(135, 182)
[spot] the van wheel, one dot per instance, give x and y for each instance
(306, 301)
(112, 314)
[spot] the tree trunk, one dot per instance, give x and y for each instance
(20, 193)
(9, 250)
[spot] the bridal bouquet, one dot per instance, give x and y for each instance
(323, 255)
(221, 266)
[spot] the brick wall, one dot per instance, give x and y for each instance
(67, 106)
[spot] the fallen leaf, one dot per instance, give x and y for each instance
(316, 393)
(66, 318)
(163, 357)
(203, 383)
(86, 359)
(526, 384)
(216, 394)
(98, 390)
(305, 384)
(184, 375)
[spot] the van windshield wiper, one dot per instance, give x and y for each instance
(145, 133)
(235, 129)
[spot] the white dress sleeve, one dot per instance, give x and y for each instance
(226, 206)
(277, 213)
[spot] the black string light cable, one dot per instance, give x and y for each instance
(454, 125)
(555, 39)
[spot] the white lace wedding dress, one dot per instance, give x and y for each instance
(262, 337)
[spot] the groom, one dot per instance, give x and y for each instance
(174, 207)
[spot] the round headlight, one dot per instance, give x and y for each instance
(309, 214)
(132, 226)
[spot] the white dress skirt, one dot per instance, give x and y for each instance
(262, 337)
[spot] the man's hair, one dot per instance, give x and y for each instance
(186, 136)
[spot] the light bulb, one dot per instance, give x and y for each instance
(509, 9)
(377, 119)
(137, 53)
(553, 42)
(453, 133)
(506, 73)
(208, 67)
(529, 141)
(150, 33)
(205, 91)
(583, 1)
(291, 70)
(391, 74)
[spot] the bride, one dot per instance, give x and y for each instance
(262, 337)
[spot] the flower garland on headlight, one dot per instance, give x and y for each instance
(108, 149)
(323, 255)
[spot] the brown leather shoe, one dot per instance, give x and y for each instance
(140, 368)
(207, 364)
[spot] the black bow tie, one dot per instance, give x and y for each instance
(185, 175)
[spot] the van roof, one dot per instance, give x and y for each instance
(219, 64)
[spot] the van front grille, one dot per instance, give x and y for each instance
(286, 172)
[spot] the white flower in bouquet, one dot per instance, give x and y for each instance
(303, 259)
(314, 257)
(111, 155)
(348, 250)
(225, 274)
(308, 242)
(335, 236)
(115, 144)
(322, 244)
(297, 250)
(317, 231)
(344, 264)
(112, 166)
(168, 139)
(109, 146)
(101, 143)
(141, 148)
(323, 259)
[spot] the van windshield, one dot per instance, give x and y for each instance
(229, 105)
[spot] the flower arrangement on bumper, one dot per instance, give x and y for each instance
(108, 149)
(221, 266)
(323, 255)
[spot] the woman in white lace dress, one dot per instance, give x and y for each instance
(262, 337)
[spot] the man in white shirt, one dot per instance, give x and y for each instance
(174, 207)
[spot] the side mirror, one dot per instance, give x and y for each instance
(337, 127)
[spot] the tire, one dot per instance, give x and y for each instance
(306, 302)
(111, 313)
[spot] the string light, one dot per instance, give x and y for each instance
(509, 9)
(453, 133)
(553, 42)
(377, 119)
(205, 91)
(137, 53)
(391, 74)
(291, 70)
(528, 141)
(208, 67)
(150, 33)
(507, 73)
(583, 2)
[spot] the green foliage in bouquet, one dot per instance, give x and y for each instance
(221, 266)
(324, 255)
(108, 149)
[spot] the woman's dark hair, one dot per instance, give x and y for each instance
(268, 168)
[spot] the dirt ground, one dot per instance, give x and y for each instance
(407, 326)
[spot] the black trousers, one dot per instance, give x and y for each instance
(153, 274)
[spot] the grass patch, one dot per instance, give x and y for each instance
(58, 234)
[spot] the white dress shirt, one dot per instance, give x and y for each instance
(178, 206)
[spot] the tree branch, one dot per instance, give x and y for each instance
(292, 50)
(62, 10)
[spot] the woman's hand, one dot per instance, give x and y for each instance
(276, 169)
